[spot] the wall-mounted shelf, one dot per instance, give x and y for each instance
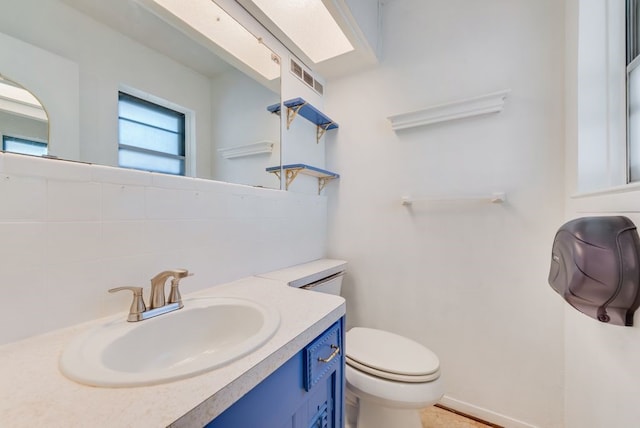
(246, 150)
(298, 106)
(485, 104)
(292, 171)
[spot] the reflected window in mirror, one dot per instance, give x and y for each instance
(151, 137)
(24, 124)
(23, 146)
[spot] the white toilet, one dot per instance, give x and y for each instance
(389, 377)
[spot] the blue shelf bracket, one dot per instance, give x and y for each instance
(292, 171)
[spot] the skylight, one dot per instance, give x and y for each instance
(309, 25)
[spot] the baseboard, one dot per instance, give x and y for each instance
(483, 414)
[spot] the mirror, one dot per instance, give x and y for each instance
(138, 48)
(24, 124)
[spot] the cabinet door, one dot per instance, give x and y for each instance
(324, 381)
(286, 399)
(271, 404)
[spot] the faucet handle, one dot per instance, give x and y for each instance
(180, 273)
(137, 305)
(174, 294)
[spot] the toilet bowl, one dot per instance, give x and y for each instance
(391, 376)
(388, 377)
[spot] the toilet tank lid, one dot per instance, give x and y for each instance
(307, 273)
(389, 352)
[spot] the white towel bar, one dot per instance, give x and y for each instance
(494, 198)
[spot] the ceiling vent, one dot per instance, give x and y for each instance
(303, 74)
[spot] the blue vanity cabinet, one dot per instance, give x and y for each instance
(305, 392)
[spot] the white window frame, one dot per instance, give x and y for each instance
(632, 68)
(602, 111)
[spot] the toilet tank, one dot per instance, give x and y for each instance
(323, 275)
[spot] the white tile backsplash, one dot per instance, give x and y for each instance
(124, 237)
(205, 204)
(169, 235)
(122, 202)
(189, 201)
(26, 311)
(212, 186)
(72, 242)
(218, 204)
(162, 204)
(22, 244)
(22, 198)
(54, 169)
(69, 286)
(69, 236)
(109, 174)
(167, 181)
(73, 201)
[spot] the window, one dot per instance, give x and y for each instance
(151, 137)
(633, 88)
(23, 146)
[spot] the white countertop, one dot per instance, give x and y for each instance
(33, 392)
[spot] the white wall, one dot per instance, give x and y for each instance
(71, 231)
(601, 361)
(23, 127)
(468, 281)
(240, 107)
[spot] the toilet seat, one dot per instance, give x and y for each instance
(392, 376)
(390, 356)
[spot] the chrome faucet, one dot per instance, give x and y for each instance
(157, 299)
(157, 303)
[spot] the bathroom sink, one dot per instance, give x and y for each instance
(206, 334)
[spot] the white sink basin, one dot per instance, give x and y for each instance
(206, 334)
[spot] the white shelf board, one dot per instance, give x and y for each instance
(246, 150)
(476, 106)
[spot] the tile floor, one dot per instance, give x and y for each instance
(438, 417)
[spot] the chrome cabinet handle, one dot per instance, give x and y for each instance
(334, 354)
